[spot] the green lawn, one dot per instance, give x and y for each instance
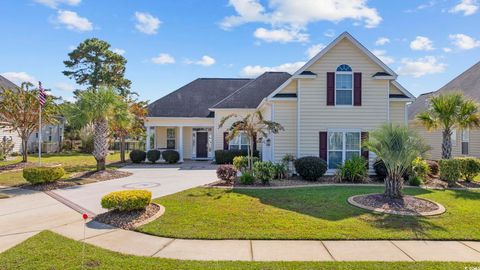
(72, 162)
(51, 251)
(308, 213)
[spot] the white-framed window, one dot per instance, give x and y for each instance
(170, 138)
(342, 145)
(453, 137)
(465, 135)
(344, 85)
(240, 142)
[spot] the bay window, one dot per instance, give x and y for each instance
(342, 145)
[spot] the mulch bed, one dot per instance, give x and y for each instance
(408, 205)
(465, 184)
(14, 167)
(50, 186)
(100, 176)
(128, 220)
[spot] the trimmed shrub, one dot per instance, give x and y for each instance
(415, 181)
(433, 166)
(279, 171)
(127, 200)
(380, 169)
(171, 156)
(450, 170)
(153, 155)
(263, 171)
(241, 162)
(469, 168)
(420, 169)
(40, 175)
(226, 156)
(310, 168)
(353, 170)
(246, 179)
(227, 173)
(137, 156)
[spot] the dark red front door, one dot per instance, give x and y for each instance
(202, 140)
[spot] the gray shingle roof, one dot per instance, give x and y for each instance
(468, 83)
(251, 94)
(195, 98)
(4, 83)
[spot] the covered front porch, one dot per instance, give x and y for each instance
(193, 139)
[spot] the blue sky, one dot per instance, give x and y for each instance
(170, 43)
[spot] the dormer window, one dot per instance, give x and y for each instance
(344, 85)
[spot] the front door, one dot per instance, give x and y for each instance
(202, 140)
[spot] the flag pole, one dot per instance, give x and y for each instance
(40, 127)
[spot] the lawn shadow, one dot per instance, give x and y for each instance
(465, 194)
(329, 203)
(419, 226)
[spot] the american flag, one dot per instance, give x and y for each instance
(42, 95)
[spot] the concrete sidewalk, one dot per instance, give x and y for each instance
(134, 243)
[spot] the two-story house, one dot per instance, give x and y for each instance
(327, 108)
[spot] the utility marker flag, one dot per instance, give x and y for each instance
(42, 95)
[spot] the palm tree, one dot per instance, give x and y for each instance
(448, 112)
(397, 147)
(97, 108)
(252, 125)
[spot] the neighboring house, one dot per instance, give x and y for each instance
(464, 142)
(327, 108)
(52, 135)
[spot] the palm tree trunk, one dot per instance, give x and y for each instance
(393, 187)
(446, 144)
(100, 143)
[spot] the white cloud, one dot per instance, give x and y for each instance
(421, 44)
(65, 87)
(280, 35)
(464, 42)
(204, 61)
(382, 41)
(329, 33)
(447, 50)
(56, 3)
(163, 59)
(314, 49)
(299, 13)
(19, 77)
(429, 4)
(119, 51)
(468, 7)
(421, 66)
(382, 55)
(147, 23)
(254, 71)
(73, 21)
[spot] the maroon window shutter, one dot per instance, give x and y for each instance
(365, 153)
(323, 145)
(330, 88)
(357, 89)
(225, 141)
(254, 143)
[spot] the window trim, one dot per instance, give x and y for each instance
(351, 90)
(344, 145)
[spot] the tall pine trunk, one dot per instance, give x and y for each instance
(393, 187)
(446, 144)
(100, 142)
(122, 148)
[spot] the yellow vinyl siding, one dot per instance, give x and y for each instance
(395, 90)
(397, 112)
(315, 116)
(161, 139)
(290, 88)
(285, 113)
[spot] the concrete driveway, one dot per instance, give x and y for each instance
(161, 180)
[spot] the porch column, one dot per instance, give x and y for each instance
(147, 138)
(180, 144)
